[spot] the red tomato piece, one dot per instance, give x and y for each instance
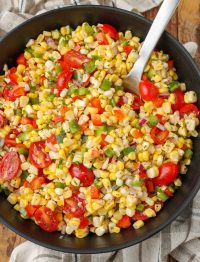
(18, 91)
(189, 108)
(103, 142)
(38, 157)
(26, 121)
(34, 124)
(128, 49)
(74, 98)
(63, 79)
(159, 136)
(101, 39)
(84, 222)
(8, 94)
(58, 119)
(170, 64)
(158, 102)
(21, 60)
(75, 59)
(30, 209)
(13, 78)
(94, 192)
(46, 219)
(148, 90)
(140, 216)
(161, 118)
(143, 174)
(124, 222)
(8, 141)
(95, 102)
(85, 175)
(137, 103)
(168, 192)
(37, 182)
(2, 120)
(119, 114)
(122, 100)
(150, 186)
(168, 172)
(96, 120)
(74, 206)
(10, 165)
(52, 139)
(110, 30)
(179, 100)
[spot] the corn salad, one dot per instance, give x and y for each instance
(78, 153)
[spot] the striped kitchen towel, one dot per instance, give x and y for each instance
(181, 239)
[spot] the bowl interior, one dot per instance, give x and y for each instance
(14, 43)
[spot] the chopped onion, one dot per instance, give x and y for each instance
(141, 167)
(142, 122)
(164, 95)
(51, 43)
(161, 127)
(26, 87)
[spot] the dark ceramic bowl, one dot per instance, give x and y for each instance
(13, 43)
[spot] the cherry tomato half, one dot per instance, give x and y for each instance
(148, 90)
(85, 175)
(30, 209)
(10, 165)
(101, 39)
(38, 157)
(137, 103)
(168, 172)
(21, 60)
(8, 94)
(63, 79)
(95, 102)
(75, 59)
(84, 222)
(46, 219)
(179, 100)
(159, 136)
(124, 222)
(74, 206)
(139, 215)
(110, 30)
(128, 49)
(189, 108)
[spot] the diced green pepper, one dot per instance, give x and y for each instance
(188, 153)
(140, 207)
(124, 43)
(74, 127)
(72, 89)
(34, 100)
(24, 174)
(22, 136)
(128, 150)
(162, 196)
(96, 57)
(59, 185)
(106, 85)
(58, 68)
(137, 183)
(22, 150)
(112, 102)
(82, 91)
(50, 97)
(32, 87)
(100, 129)
(109, 152)
(88, 29)
(90, 66)
(173, 86)
(18, 112)
(153, 120)
(60, 137)
(63, 41)
(75, 75)
(151, 73)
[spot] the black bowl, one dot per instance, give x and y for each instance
(13, 43)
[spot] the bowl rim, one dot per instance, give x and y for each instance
(179, 209)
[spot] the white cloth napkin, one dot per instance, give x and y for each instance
(181, 239)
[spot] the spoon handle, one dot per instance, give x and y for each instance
(158, 26)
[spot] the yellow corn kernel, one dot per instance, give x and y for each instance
(20, 68)
(149, 212)
(80, 233)
(106, 182)
(23, 203)
(15, 182)
(109, 205)
(120, 165)
(17, 207)
(115, 230)
(177, 182)
(12, 198)
(138, 224)
(116, 194)
(148, 106)
(157, 78)
(180, 142)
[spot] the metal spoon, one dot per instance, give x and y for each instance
(131, 82)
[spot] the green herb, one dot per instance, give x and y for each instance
(24, 174)
(84, 138)
(34, 100)
(61, 162)
(75, 75)
(188, 153)
(88, 29)
(106, 85)
(138, 183)
(128, 150)
(153, 120)
(96, 57)
(98, 183)
(50, 97)
(151, 73)
(173, 86)
(59, 185)
(60, 137)
(52, 59)
(22, 136)
(90, 67)
(82, 91)
(100, 129)
(72, 89)
(109, 152)
(32, 88)
(112, 102)
(52, 82)
(140, 207)
(162, 196)
(124, 43)
(22, 150)
(18, 112)
(58, 68)
(36, 55)
(74, 127)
